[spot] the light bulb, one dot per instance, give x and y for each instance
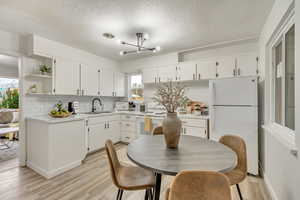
(146, 36)
(120, 42)
(154, 50)
(157, 48)
(122, 53)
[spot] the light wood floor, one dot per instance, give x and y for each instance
(90, 181)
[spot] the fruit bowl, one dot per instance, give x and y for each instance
(60, 115)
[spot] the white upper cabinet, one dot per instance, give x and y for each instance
(206, 70)
(107, 82)
(39, 46)
(119, 84)
(89, 80)
(66, 77)
(226, 67)
(247, 65)
(186, 71)
(161, 74)
(150, 75)
(166, 74)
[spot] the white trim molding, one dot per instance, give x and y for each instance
(284, 135)
(269, 187)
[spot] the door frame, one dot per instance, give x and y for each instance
(22, 133)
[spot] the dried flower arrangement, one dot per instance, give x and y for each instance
(171, 95)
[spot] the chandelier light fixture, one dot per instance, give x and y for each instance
(141, 38)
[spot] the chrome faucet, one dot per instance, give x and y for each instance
(93, 103)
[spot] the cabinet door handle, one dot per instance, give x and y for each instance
(105, 126)
(82, 92)
(233, 72)
(193, 76)
(78, 91)
(199, 76)
(239, 71)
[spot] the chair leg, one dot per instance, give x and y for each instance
(146, 194)
(150, 194)
(120, 194)
(239, 191)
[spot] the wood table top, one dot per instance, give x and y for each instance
(193, 153)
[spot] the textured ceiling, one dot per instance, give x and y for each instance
(172, 24)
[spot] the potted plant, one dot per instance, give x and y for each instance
(171, 96)
(45, 69)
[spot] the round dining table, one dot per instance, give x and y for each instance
(193, 153)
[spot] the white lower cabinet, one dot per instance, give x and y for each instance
(128, 128)
(101, 129)
(53, 148)
(195, 131)
(195, 127)
(96, 136)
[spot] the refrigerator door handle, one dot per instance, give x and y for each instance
(212, 118)
(212, 93)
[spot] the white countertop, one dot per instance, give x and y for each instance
(83, 116)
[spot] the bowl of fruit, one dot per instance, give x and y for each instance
(59, 111)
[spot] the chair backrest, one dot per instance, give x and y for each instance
(157, 130)
(113, 160)
(238, 145)
(199, 185)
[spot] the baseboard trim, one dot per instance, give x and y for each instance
(37, 169)
(269, 187)
(52, 173)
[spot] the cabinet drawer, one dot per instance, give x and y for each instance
(128, 117)
(195, 131)
(128, 126)
(195, 122)
(97, 120)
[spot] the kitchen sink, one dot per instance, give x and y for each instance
(98, 112)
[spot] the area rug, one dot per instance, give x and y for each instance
(10, 153)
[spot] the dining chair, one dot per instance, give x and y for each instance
(157, 130)
(239, 173)
(128, 177)
(199, 185)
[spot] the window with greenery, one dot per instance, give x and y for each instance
(136, 87)
(284, 78)
(9, 93)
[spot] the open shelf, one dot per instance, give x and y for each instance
(38, 76)
(38, 94)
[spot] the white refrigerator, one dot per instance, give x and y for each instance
(233, 110)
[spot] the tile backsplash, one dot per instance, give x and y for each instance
(40, 105)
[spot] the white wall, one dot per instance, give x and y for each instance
(152, 61)
(228, 49)
(9, 43)
(196, 91)
(8, 71)
(280, 167)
